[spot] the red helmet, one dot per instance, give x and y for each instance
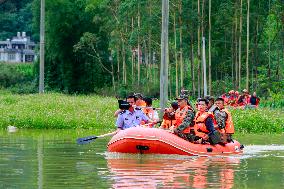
(231, 92)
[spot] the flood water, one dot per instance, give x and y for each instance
(52, 159)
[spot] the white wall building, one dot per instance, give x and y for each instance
(19, 49)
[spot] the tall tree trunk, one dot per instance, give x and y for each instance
(192, 55)
(146, 64)
(124, 63)
(176, 56)
(247, 58)
(269, 50)
(202, 35)
(279, 72)
(180, 47)
(278, 66)
(133, 54)
(209, 50)
(255, 63)
(240, 44)
(118, 61)
(236, 54)
(150, 43)
(112, 73)
(170, 81)
(232, 55)
(198, 51)
(138, 45)
(192, 66)
(164, 55)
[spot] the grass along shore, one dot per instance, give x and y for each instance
(56, 111)
(60, 111)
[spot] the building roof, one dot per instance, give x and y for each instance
(4, 42)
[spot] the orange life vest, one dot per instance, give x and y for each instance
(149, 112)
(180, 115)
(229, 127)
(199, 126)
(166, 124)
(141, 103)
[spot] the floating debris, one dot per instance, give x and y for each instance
(12, 129)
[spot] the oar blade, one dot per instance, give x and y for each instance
(86, 140)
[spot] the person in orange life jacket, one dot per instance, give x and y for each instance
(211, 104)
(131, 117)
(231, 99)
(225, 97)
(247, 96)
(169, 116)
(243, 99)
(224, 120)
(150, 111)
(204, 124)
(254, 100)
(237, 96)
(184, 116)
(140, 103)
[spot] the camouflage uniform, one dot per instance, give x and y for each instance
(187, 122)
(221, 118)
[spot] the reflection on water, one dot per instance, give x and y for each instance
(52, 159)
(192, 172)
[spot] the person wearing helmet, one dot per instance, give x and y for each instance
(184, 116)
(224, 121)
(232, 98)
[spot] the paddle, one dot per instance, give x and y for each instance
(89, 139)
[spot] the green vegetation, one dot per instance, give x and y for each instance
(56, 111)
(258, 120)
(59, 111)
(275, 100)
(81, 35)
(15, 16)
(18, 78)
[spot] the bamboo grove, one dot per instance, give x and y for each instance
(113, 46)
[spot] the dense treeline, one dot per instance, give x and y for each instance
(15, 16)
(109, 46)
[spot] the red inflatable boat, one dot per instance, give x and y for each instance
(158, 141)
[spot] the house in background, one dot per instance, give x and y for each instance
(19, 49)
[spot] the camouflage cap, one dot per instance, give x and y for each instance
(182, 96)
(138, 95)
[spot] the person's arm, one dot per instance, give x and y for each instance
(144, 117)
(119, 122)
(221, 117)
(116, 113)
(209, 125)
